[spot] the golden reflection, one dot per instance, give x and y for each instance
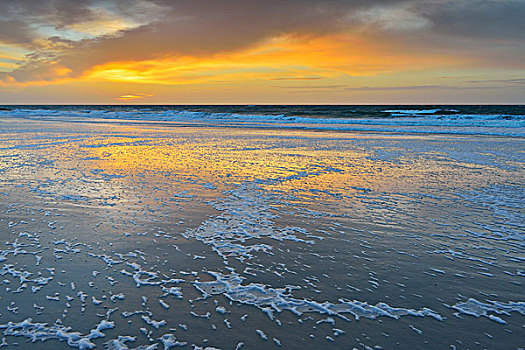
(125, 162)
(253, 157)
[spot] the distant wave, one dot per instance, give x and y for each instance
(428, 120)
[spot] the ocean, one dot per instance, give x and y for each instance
(256, 227)
(506, 120)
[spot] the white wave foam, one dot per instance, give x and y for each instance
(270, 300)
(401, 121)
(42, 332)
(477, 308)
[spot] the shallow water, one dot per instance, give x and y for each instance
(121, 236)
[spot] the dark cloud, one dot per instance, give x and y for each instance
(479, 19)
(67, 12)
(34, 13)
(517, 81)
(13, 31)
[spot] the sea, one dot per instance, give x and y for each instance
(504, 120)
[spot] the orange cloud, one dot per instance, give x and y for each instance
(135, 96)
(281, 58)
(7, 65)
(285, 57)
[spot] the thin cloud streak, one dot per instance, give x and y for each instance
(314, 88)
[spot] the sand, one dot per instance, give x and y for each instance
(122, 236)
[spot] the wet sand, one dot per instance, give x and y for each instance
(123, 236)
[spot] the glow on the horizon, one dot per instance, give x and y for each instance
(278, 58)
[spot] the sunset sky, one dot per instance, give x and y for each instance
(272, 51)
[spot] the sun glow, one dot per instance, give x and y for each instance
(274, 59)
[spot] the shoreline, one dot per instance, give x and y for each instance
(176, 124)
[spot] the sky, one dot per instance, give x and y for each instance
(262, 52)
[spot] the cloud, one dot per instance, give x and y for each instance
(134, 96)
(84, 35)
(514, 81)
(13, 31)
(284, 58)
(317, 88)
(478, 19)
(296, 78)
(396, 88)
(313, 87)
(390, 18)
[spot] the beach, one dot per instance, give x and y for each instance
(121, 232)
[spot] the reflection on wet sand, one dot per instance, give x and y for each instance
(124, 236)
